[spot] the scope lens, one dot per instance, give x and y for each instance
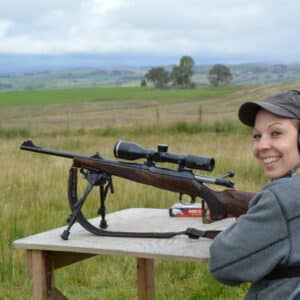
(129, 151)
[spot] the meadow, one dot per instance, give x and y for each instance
(34, 187)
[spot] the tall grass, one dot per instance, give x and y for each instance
(15, 132)
(33, 199)
(190, 128)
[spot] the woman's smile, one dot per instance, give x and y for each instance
(275, 143)
(270, 160)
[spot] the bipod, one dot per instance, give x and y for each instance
(102, 180)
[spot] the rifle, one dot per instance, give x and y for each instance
(99, 171)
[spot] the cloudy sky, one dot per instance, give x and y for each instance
(221, 30)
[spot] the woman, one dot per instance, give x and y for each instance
(263, 246)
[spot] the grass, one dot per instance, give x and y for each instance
(123, 107)
(33, 199)
(34, 191)
(62, 96)
(223, 127)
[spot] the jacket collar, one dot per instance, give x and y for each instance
(294, 172)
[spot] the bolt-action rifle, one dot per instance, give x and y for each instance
(99, 171)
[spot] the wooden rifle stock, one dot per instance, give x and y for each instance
(236, 203)
(222, 204)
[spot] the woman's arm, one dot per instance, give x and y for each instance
(254, 245)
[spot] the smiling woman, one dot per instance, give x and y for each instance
(275, 143)
(263, 246)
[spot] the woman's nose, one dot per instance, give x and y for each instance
(263, 144)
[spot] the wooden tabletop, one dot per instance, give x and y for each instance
(133, 219)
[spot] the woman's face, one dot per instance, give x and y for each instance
(275, 143)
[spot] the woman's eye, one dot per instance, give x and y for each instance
(256, 136)
(275, 133)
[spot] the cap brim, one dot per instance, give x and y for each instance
(248, 111)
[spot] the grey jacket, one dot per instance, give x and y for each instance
(268, 236)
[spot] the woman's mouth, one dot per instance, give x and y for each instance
(270, 160)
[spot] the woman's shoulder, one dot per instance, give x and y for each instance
(292, 182)
(286, 193)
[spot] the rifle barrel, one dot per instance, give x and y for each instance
(30, 146)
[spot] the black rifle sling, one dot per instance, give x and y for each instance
(282, 272)
(73, 201)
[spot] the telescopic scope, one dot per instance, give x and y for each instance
(132, 151)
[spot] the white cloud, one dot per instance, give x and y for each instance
(100, 7)
(221, 27)
(4, 26)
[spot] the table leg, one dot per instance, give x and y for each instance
(145, 278)
(41, 269)
(39, 276)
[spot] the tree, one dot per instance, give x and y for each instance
(181, 75)
(219, 75)
(159, 77)
(143, 83)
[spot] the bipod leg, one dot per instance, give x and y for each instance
(77, 208)
(105, 183)
(102, 209)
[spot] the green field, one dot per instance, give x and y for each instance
(34, 192)
(121, 107)
(43, 97)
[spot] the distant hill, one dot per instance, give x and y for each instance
(40, 72)
(72, 79)
(257, 74)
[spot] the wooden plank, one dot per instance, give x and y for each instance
(134, 219)
(47, 251)
(145, 279)
(39, 275)
(41, 268)
(62, 259)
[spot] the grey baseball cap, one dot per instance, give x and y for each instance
(285, 104)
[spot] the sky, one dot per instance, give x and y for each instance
(219, 31)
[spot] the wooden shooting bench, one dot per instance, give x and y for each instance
(47, 252)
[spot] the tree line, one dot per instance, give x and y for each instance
(181, 76)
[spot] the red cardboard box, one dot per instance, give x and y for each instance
(186, 210)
